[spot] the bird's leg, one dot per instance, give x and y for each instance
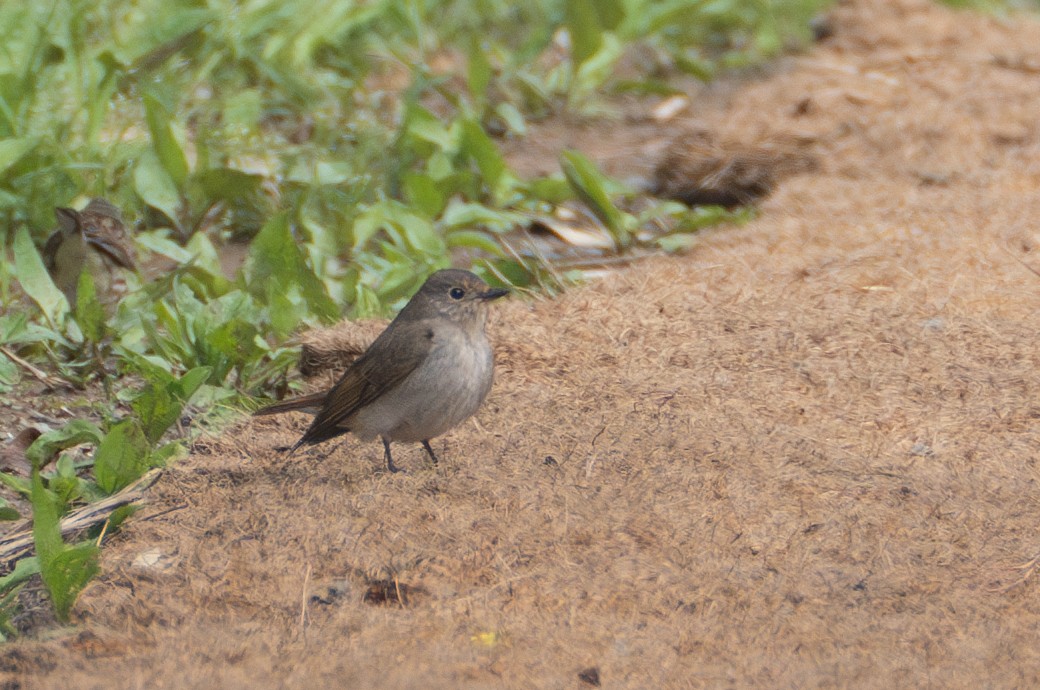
(389, 458)
(426, 445)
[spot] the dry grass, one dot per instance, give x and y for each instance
(804, 455)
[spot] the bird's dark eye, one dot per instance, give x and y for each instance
(457, 293)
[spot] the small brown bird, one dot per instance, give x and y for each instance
(429, 371)
(94, 239)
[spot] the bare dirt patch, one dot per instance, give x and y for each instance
(805, 454)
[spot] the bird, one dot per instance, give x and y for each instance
(94, 239)
(429, 371)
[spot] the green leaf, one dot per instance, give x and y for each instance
(277, 261)
(588, 184)
(167, 453)
(24, 569)
(19, 485)
(12, 150)
(461, 215)
(155, 186)
(72, 434)
(421, 234)
(677, 242)
(423, 193)
(185, 387)
(90, 315)
(64, 570)
(64, 483)
(513, 118)
(478, 76)
(598, 67)
(227, 184)
(475, 240)
(161, 401)
(478, 146)
(165, 145)
(121, 457)
(585, 31)
(610, 13)
(34, 279)
(67, 574)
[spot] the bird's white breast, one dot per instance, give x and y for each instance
(446, 389)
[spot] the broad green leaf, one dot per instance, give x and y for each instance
(10, 373)
(424, 125)
(421, 234)
(275, 259)
(165, 145)
(121, 457)
(227, 184)
(462, 215)
(478, 146)
(19, 485)
(154, 185)
(588, 183)
(159, 241)
(207, 258)
(74, 433)
(46, 528)
(64, 482)
(597, 69)
(185, 387)
(478, 74)
(34, 279)
(553, 190)
(24, 569)
(156, 408)
(242, 111)
(513, 118)
(12, 150)
(168, 452)
(610, 13)
(476, 240)
(67, 574)
(90, 315)
(584, 28)
(423, 193)
(677, 242)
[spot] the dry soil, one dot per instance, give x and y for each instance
(802, 455)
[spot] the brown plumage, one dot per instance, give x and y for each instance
(94, 239)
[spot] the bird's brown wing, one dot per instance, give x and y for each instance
(395, 354)
(102, 207)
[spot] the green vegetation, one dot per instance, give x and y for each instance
(351, 147)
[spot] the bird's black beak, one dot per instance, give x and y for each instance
(493, 293)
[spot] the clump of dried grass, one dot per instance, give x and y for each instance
(699, 170)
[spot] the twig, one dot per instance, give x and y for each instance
(303, 601)
(1026, 571)
(43, 376)
(14, 546)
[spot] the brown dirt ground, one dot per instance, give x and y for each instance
(802, 455)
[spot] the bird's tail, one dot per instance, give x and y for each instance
(305, 403)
